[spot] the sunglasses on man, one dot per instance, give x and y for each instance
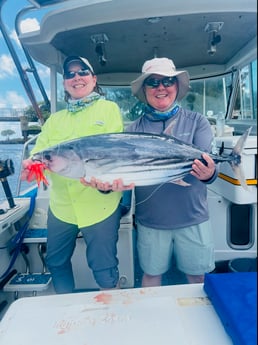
(153, 83)
(81, 73)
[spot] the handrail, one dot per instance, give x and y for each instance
(32, 69)
(24, 156)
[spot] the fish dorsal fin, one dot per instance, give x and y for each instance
(169, 129)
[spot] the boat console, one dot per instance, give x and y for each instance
(235, 228)
(9, 216)
(226, 184)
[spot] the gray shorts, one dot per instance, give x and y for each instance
(192, 248)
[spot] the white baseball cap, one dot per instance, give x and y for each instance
(71, 59)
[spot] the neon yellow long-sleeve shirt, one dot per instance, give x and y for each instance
(70, 201)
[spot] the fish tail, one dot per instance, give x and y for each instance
(237, 155)
(239, 173)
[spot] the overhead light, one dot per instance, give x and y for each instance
(99, 40)
(214, 38)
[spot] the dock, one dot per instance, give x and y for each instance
(9, 119)
(11, 114)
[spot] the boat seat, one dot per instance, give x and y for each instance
(31, 281)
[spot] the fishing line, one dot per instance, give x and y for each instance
(151, 194)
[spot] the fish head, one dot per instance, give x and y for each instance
(62, 162)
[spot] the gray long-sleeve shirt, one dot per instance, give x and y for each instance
(171, 206)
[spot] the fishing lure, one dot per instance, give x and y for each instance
(37, 170)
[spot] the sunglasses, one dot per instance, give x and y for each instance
(153, 83)
(81, 73)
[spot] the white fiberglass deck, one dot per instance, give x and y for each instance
(180, 314)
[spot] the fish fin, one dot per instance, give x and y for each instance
(181, 183)
(241, 142)
(236, 164)
(239, 172)
(169, 129)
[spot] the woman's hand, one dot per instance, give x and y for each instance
(116, 186)
(201, 171)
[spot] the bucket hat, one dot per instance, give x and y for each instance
(164, 67)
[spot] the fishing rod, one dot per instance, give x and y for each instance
(7, 169)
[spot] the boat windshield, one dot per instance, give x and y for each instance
(233, 94)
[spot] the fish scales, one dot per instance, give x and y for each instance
(139, 158)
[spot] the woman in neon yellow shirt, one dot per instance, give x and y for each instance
(73, 206)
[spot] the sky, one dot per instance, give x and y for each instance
(12, 93)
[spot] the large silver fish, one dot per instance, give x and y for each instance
(139, 158)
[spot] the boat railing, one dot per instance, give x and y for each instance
(25, 155)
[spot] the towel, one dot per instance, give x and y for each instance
(234, 298)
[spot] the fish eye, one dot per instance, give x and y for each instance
(47, 157)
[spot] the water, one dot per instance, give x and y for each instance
(14, 126)
(13, 152)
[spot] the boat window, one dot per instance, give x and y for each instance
(122, 95)
(209, 96)
(245, 107)
(124, 98)
(241, 231)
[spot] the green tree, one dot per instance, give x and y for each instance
(7, 133)
(31, 114)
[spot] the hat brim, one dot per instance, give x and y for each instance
(182, 78)
(72, 59)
